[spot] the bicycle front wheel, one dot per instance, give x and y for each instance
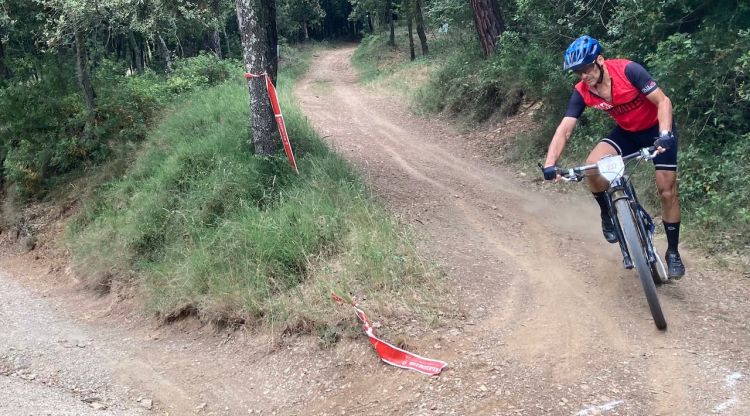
(635, 243)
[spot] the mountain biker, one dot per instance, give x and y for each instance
(642, 112)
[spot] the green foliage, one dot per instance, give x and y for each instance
(41, 125)
(298, 17)
(206, 226)
(204, 70)
(44, 122)
(696, 51)
(455, 14)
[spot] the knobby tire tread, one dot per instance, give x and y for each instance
(634, 242)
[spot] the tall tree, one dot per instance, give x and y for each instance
(489, 23)
(215, 20)
(297, 17)
(164, 51)
(257, 23)
(419, 18)
(84, 75)
(4, 72)
(389, 19)
(4, 23)
(135, 51)
(74, 20)
(157, 20)
(409, 24)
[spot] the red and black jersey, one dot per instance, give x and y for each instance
(629, 106)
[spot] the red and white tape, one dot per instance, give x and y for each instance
(279, 118)
(391, 354)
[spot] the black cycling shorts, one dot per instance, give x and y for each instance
(627, 142)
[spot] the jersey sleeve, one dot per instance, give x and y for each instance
(640, 78)
(576, 105)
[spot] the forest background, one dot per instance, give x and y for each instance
(88, 89)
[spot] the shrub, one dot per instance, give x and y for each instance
(204, 70)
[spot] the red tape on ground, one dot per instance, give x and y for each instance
(279, 118)
(393, 355)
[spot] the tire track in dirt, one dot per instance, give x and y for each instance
(543, 295)
(549, 322)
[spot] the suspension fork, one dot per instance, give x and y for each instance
(642, 223)
(615, 193)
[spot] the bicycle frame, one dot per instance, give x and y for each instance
(621, 188)
(633, 226)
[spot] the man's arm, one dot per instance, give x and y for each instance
(641, 79)
(562, 134)
(664, 106)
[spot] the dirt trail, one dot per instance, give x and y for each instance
(551, 325)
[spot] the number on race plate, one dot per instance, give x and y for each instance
(611, 167)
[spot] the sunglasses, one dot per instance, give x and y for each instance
(585, 69)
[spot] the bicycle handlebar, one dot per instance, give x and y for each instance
(576, 174)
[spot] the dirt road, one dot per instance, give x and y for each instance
(551, 323)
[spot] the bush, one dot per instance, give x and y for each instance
(42, 132)
(46, 132)
(204, 70)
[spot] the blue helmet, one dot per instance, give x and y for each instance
(582, 51)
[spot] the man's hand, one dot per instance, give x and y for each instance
(665, 141)
(550, 173)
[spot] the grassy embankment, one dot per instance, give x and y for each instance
(205, 228)
(457, 80)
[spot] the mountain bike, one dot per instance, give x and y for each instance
(633, 225)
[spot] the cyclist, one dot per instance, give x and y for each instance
(642, 112)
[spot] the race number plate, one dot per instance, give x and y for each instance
(611, 167)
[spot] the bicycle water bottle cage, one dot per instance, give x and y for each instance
(611, 167)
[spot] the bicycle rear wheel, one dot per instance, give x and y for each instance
(659, 270)
(635, 243)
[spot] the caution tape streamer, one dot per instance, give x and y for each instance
(278, 116)
(391, 354)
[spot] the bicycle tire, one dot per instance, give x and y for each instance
(634, 242)
(658, 269)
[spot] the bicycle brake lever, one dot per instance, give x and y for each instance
(648, 154)
(571, 176)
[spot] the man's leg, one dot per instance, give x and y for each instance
(598, 186)
(666, 183)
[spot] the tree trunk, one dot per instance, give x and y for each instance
(420, 26)
(257, 24)
(226, 40)
(137, 54)
(4, 70)
(165, 53)
(84, 78)
(148, 57)
(489, 23)
(369, 22)
(392, 37)
(307, 34)
(411, 41)
(214, 43)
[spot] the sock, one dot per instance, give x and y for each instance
(673, 235)
(601, 199)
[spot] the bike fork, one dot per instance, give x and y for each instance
(627, 262)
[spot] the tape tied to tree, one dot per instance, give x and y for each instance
(278, 116)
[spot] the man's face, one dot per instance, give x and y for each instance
(589, 74)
